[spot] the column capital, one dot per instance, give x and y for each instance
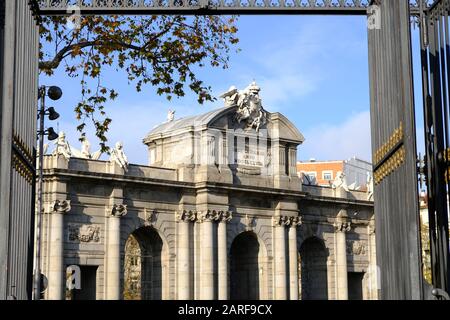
(294, 222)
(225, 216)
(118, 210)
(60, 206)
(342, 226)
(208, 216)
(280, 221)
(186, 216)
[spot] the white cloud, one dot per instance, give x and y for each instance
(341, 141)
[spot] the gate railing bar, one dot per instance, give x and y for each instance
(429, 167)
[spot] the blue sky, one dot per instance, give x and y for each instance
(313, 69)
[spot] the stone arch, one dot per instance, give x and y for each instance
(248, 267)
(146, 265)
(312, 229)
(313, 269)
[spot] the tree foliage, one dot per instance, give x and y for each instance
(161, 51)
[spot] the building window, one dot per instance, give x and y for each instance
(327, 175)
(312, 177)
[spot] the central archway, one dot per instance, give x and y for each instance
(143, 269)
(244, 267)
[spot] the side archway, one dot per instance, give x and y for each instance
(144, 260)
(313, 269)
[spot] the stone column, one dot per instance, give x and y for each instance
(293, 258)
(207, 291)
(341, 227)
(279, 224)
(183, 255)
(56, 272)
(113, 252)
(222, 255)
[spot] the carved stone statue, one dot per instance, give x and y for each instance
(62, 146)
(248, 105)
(230, 97)
(118, 156)
(171, 115)
(340, 182)
(85, 152)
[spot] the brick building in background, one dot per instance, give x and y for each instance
(323, 173)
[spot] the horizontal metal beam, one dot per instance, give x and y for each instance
(213, 7)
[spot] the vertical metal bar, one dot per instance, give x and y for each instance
(443, 81)
(425, 38)
(447, 119)
(7, 106)
(433, 162)
(438, 140)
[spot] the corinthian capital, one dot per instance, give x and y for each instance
(119, 210)
(61, 206)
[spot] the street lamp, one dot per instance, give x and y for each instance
(53, 93)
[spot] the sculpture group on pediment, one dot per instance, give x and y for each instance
(249, 109)
(62, 147)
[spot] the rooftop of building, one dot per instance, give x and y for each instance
(315, 161)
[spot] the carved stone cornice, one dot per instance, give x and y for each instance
(186, 216)
(60, 206)
(118, 210)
